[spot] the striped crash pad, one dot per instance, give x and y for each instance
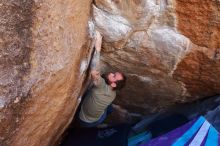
(198, 132)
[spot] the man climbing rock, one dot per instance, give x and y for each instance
(98, 100)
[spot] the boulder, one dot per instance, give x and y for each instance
(44, 56)
(168, 49)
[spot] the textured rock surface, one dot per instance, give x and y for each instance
(43, 57)
(199, 20)
(168, 49)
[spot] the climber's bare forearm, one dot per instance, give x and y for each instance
(95, 68)
(95, 64)
(98, 42)
(96, 58)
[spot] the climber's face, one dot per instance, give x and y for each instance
(114, 77)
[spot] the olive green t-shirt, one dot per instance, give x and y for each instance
(96, 102)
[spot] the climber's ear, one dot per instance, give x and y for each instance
(113, 85)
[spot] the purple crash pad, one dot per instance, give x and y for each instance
(197, 132)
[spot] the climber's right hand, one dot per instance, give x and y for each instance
(95, 77)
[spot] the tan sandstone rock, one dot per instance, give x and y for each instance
(169, 50)
(163, 48)
(44, 56)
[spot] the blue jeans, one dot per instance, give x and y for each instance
(101, 119)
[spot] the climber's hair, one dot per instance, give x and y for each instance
(119, 84)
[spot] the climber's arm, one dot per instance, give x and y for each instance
(95, 64)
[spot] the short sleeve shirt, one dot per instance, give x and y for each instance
(96, 102)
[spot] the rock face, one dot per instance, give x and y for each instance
(168, 49)
(43, 59)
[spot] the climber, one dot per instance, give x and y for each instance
(98, 101)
